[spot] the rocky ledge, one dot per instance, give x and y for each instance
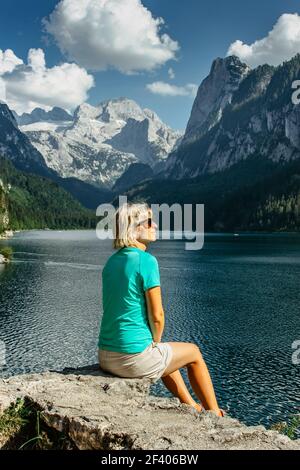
(94, 410)
(2, 259)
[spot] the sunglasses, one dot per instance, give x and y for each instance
(149, 222)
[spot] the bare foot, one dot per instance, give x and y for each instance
(198, 407)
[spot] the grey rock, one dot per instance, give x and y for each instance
(214, 93)
(99, 411)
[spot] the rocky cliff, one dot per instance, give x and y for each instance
(16, 146)
(237, 113)
(87, 409)
(214, 94)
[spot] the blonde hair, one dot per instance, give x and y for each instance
(126, 219)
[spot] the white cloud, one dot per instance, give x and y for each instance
(102, 34)
(2, 91)
(281, 43)
(8, 61)
(27, 86)
(171, 73)
(165, 89)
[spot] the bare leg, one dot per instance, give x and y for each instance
(175, 383)
(201, 384)
(188, 355)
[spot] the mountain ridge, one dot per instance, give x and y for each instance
(29, 201)
(102, 141)
(255, 194)
(259, 118)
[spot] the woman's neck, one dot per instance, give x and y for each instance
(140, 245)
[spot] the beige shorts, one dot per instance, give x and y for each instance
(150, 363)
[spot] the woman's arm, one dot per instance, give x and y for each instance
(155, 312)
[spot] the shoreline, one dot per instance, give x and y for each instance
(9, 234)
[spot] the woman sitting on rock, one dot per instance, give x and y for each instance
(133, 317)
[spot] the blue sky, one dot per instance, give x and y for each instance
(203, 30)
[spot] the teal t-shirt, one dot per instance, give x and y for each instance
(126, 276)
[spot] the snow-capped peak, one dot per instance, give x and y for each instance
(119, 109)
(102, 141)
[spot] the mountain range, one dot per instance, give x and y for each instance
(239, 154)
(16, 147)
(239, 112)
(98, 143)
